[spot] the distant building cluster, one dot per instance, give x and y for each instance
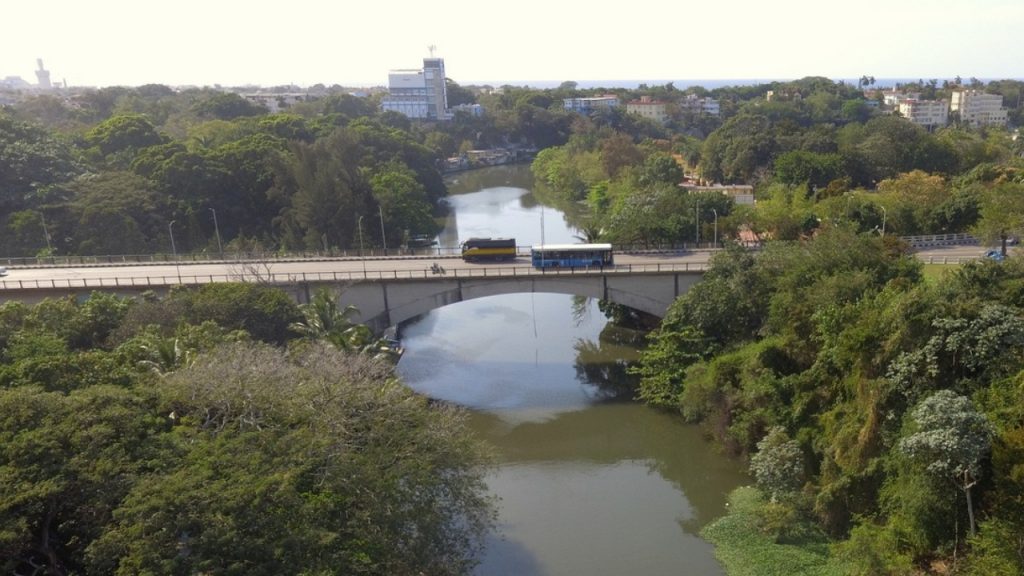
(974, 108)
(18, 83)
(647, 107)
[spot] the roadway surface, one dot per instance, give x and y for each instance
(377, 267)
(374, 268)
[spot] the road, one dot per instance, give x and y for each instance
(373, 268)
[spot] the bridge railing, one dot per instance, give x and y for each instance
(206, 257)
(280, 278)
(927, 240)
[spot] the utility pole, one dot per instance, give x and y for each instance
(216, 228)
(696, 213)
(360, 224)
(716, 227)
(174, 251)
(46, 233)
(383, 238)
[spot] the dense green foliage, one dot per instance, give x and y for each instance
(874, 403)
(160, 437)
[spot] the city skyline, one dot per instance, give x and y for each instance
(112, 42)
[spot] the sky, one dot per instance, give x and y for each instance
(356, 42)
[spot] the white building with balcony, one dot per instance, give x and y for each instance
(706, 106)
(929, 114)
(977, 108)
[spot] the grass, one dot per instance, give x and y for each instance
(934, 272)
(744, 550)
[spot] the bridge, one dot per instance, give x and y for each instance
(390, 289)
(386, 291)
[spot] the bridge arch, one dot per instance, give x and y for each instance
(384, 303)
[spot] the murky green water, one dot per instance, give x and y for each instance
(590, 483)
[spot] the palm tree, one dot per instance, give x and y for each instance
(589, 233)
(323, 319)
(165, 355)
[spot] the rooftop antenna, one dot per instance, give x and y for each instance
(432, 48)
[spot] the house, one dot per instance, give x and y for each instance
(652, 109)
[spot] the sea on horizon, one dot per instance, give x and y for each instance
(710, 84)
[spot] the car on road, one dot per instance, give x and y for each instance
(3, 271)
(996, 255)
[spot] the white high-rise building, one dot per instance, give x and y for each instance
(977, 108)
(43, 75)
(926, 113)
(418, 93)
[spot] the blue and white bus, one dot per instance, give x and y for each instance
(571, 255)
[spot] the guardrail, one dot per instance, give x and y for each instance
(424, 252)
(439, 273)
(939, 240)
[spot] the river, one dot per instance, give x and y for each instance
(589, 482)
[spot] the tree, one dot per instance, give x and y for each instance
(226, 106)
(778, 464)
(321, 463)
(124, 134)
(813, 169)
(1002, 213)
(950, 439)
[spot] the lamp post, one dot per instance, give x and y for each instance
(46, 233)
(360, 224)
(883, 220)
(716, 227)
(696, 213)
(383, 238)
(174, 250)
(216, 228)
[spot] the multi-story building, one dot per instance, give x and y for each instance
(977, 108)
(740, 193)
(894, 97)
(418, 93)
(588, 105)
(926, 113)
(653, 109)
(707, 106)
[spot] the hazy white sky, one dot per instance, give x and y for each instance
(356, 42)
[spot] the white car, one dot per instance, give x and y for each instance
(3, 271)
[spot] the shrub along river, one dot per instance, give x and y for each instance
(589, 481)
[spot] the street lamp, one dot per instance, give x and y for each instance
(360, 224)
(46, 233)
(174, 251)
(696, 212)
(383, 238)
(716, 227)
(216, 229)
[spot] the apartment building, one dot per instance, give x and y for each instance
(588, 105)
(706, 106)
(977, 108)
(929, 114)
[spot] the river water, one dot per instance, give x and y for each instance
(589, 482)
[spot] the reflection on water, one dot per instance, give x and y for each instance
(503, 208)
(590, 483)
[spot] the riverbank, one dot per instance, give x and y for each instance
(745, 549)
